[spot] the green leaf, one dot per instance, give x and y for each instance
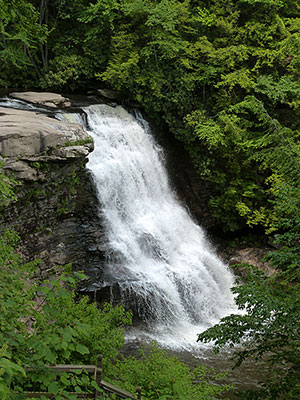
(82, 349)
(53, 388)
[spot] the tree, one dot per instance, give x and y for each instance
(21, 35)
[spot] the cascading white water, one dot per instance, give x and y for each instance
(159, 255)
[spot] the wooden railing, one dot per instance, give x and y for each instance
(97, 370)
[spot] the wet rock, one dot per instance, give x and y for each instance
(57, 219)
(48, 99)
(117, 295)
(249, 255)
(109, 94)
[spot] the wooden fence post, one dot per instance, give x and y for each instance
(139, 393)
(98, 374)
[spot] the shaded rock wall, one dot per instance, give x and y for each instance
(192, 191)
(57, 218)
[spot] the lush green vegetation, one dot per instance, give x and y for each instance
(43, 323)
(223, 77)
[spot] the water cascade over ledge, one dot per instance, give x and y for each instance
(158, 255)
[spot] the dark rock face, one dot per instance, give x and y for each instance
(58, 219)
(248, 255)
(192, 191)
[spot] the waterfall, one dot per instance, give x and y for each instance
(159, 256)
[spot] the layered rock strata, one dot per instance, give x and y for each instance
(56, 212)
(52, 100)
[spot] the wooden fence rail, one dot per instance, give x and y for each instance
(97, 371)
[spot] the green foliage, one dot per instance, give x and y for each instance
(165, 378)
(268, 331)
(21, 35)
(285, 91)
(260, 155)
(6, 188)
(65, 70)
(44, 324)
(65, 330)
(79, 330)
(8, 370)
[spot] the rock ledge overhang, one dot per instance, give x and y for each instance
(30, 136)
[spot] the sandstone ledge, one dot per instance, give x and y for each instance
(27, 136)
(48, 99)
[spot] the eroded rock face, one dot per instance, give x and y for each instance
(248, 255)
(109, 94)
(192, 190)
(48, 99)
(26, 133)
(56, 213)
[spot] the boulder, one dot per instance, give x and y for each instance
(20, 170)
(252, 256)
(69, 152)
(110, 94)
(48, 99)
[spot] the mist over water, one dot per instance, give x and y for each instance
(159, 257)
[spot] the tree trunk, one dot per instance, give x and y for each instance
(44, 13)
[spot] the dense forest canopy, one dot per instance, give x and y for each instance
(223, 77)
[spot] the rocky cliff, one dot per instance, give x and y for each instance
(56, 213)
